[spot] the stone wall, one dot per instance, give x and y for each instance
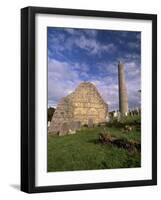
(83, 106)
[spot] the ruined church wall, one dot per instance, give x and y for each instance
(83, 105)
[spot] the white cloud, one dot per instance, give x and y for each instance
(84, 39)
(79, 32)
(132, 70)
(71, 30)
(64, 77)
(90, 32)
(92, 46)
(133, 45)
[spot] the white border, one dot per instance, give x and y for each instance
(93, 176)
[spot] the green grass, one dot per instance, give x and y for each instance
(83, 151)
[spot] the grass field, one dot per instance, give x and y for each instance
(83, 151)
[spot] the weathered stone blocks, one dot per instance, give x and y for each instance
(83, 106)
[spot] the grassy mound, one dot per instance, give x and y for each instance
(83, 151)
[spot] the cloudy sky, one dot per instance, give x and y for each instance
(77, 55)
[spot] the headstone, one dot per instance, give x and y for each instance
(90, 123)
(77, 125)
(64, 129)
(74, 125)
(126, 113)
(48, 124)
(118, 116)
(107, 118)
(71, 132)
(131, 113)
(139, 111)
(115, 114)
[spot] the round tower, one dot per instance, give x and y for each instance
(123, 97)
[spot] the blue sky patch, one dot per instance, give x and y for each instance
(77, 55)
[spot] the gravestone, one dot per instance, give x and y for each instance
(90, 123)
(77, 125)
(64, 129)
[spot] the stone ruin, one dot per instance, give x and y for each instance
(84, 106)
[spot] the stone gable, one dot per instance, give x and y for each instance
(83, 106)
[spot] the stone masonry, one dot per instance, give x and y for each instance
(123, 97)
(83, 106)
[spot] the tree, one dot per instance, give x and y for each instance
(50, 113)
